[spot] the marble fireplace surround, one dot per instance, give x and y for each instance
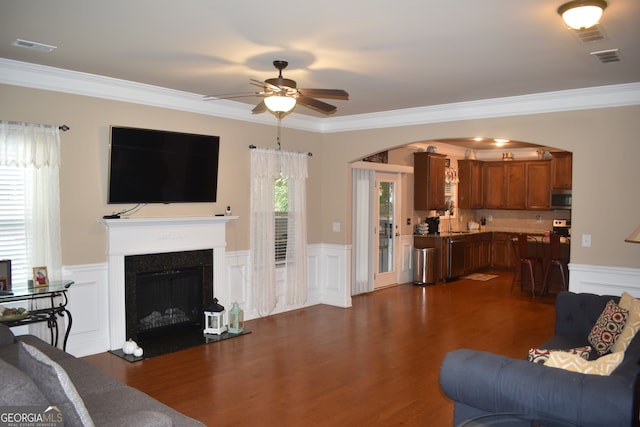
(140, 236)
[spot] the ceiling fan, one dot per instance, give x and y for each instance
(281, 95)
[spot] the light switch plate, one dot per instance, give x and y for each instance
(586, 240)
(336, 227)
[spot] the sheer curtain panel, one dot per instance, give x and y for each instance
(363, 183)
(266, 166)
(35, 149)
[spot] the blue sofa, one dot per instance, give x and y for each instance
(482, 383)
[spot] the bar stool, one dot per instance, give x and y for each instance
(555, 259)
(525, 260)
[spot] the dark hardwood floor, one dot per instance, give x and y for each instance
(375, 364)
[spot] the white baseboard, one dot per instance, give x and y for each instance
(602, 280)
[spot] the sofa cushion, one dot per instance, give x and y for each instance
(604, 365)
(608, 327)
(541, 355)
(6, 336)
(55, 384)
(632, 326)
(17, 388)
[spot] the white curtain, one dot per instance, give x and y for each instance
(266, 166)
(36, 149)
(363, 186)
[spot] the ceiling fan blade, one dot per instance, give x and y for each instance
(326, 93)
(265, 85)
(316, 104)
(260, 108)
(230, 96)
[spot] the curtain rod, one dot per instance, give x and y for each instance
(63, 128)
(252, 147)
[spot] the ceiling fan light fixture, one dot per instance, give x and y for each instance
(280, 103)
(582, 14)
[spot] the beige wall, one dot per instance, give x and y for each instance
(604, 143)
(83, 175)
(605, 175)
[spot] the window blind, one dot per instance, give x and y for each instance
(12, 223)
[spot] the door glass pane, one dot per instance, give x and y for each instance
(386, 227)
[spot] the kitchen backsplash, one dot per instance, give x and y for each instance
(511, 220)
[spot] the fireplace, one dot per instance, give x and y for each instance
(165, 293)
(139, 236)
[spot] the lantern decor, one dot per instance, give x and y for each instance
(214, 319)
(236, 319)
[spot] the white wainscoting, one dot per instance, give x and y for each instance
(89, 308)
(329, 273)
(604, 280)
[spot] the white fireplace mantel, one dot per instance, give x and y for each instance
(139, 236)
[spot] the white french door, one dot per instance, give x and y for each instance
(387, 232)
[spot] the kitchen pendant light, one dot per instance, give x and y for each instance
(582, 14)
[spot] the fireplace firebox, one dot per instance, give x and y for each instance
(165, 293)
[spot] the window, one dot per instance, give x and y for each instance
(13, 232)
(281, 208)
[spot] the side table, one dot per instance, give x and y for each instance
(47, 314)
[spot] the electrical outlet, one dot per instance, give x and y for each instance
(490, 218)
(408, 221)
(336, 227)
(538, 219)
(586, 240)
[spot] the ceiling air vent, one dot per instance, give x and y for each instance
(590, 35)
(606, 56)
(40, 47)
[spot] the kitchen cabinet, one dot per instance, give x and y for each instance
(561, 170)
(517, 185)
(470, 187)
(428, 175)
(502, 253)
(477, 252)
(538, 184)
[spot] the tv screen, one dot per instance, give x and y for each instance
(154, 166)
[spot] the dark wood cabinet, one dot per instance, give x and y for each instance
(477, 252)
(428, 187)
(470, 187)
(502, 253)
(517, 185)
(561, 170)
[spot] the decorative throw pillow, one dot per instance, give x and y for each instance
(608, 327)
(55, 384)
(540, 355)
(633, 322)
(604, 365)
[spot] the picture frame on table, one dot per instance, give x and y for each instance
(5, 276)
(40, 277)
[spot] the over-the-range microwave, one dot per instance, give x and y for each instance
(560, 199)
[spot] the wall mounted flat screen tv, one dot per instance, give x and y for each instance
(155, 166)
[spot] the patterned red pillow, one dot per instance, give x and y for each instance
(540, 355)
(608, 327)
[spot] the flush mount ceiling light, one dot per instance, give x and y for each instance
(582, 14)
(280, 103)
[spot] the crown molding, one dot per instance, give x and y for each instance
(25, 74)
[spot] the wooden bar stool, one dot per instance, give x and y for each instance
(555, 259)
(525, 261)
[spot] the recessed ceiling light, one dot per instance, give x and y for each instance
(40, 47)
(478, 138)
(500, 142)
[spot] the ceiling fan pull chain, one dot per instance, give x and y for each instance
(279, 127)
